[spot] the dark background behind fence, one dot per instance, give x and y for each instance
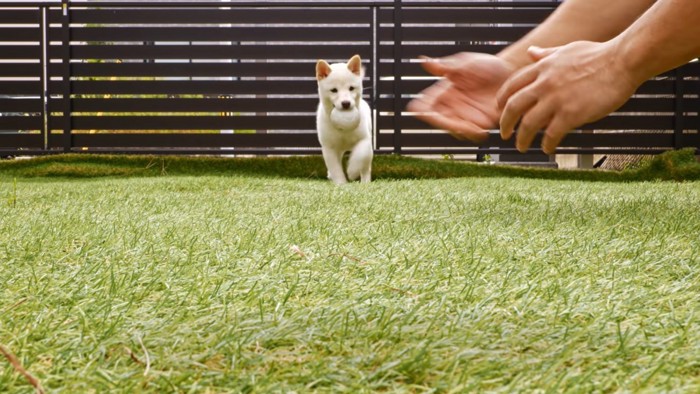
(202, 77)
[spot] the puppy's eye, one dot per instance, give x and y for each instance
(334, 90)
(352, 88)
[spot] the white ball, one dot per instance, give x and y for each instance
(345, 120)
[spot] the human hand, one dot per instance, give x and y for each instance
(464, 102)
(566, 87)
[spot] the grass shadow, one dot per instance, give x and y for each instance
(680, 165)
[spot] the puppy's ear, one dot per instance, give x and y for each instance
(355, 65)
(323, 70)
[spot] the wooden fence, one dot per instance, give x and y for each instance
(206, 77)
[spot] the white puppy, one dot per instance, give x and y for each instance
(344, 120)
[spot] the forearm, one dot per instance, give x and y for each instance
(665, 37)
(574, 20)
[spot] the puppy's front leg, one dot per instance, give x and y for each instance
(360, 162)
(334, 164)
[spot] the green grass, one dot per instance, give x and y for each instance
(218, 275)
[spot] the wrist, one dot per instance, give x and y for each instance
(630, 60)
(515, 57)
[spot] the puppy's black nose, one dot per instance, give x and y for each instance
(345, 104)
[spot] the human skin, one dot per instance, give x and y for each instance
(556, 92)
(464, 101)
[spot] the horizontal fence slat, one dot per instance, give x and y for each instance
(9, 105)
(655, 122)
(327, 15)
(190, 105)
(217, 15)
(252, 34)
(664, 86)
(202, 122)
(20, 34)
(465, 15)
(305, 4)
(613, 143)
(17, 140)
(23, 51)
(235, 52)
(20, 16)
(27, 88)
(610, 140)
(456, 33)
(635, 104)
(436, 50)
(411, 67)
(21, 123)
(230, 69)
(189, 87)
(20, 70)
(190, 140)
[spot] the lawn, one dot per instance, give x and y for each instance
(148, 275)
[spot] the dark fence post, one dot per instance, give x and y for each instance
(374, 82)
(678, 92)
(66, 83)
(43, 76)
(398, 38)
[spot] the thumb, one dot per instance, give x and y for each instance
(537, 53)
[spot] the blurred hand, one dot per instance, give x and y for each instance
(464, 101)
(566, 87)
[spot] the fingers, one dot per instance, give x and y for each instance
(427, 101)
(518, 81)
(515, 98)
(553, 135)
(458, 127)
(463, 101)
(430, 108)
(533, 121)
(515, 108)
(527, 99)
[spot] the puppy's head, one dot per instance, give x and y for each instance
(340, 84)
